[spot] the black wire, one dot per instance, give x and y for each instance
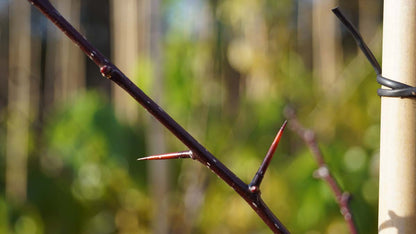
(397, 89)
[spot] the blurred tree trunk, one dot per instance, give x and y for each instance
(327, 55)
(18, 101)
(136, 34)
(231, 79)
(4, 64)
(65, 63)
(369, 18)
(159, 171)
(125, 53)
(304, 27)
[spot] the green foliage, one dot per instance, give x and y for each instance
(240, 140)
(83, 180)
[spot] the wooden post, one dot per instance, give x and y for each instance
(397, 203)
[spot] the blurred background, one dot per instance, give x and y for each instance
(225, 70)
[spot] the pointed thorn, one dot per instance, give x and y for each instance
(274, 145)
(182, 154)
(255, 183)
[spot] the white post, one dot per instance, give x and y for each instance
(397, 202)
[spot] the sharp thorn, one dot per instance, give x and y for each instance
(255, 183)
(182, 154)
(274, 145)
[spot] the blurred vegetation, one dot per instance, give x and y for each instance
(230, 68)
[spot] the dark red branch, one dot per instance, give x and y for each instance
(323, 171)
(199, 153)
(254, 186)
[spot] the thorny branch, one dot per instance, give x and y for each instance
(323, 172)
(197, 151)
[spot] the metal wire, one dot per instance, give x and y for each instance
(397, 89)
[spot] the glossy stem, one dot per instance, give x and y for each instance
(199, 152)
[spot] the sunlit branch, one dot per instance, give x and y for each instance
(199, 152)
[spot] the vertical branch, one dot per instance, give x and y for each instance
(397, 203)
(323, 171)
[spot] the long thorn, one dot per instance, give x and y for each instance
(255, 183)
(182, 154)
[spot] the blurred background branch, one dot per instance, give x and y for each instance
(323, 172)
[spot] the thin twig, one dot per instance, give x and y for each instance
(199, 152)
(323, 172)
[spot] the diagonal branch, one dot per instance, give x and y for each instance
(199, 152)
(323, 172)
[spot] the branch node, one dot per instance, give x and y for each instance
(106, 71)
(109, 71)
(253, 189)
(321, 173)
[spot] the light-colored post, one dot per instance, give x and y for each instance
(397, 202)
